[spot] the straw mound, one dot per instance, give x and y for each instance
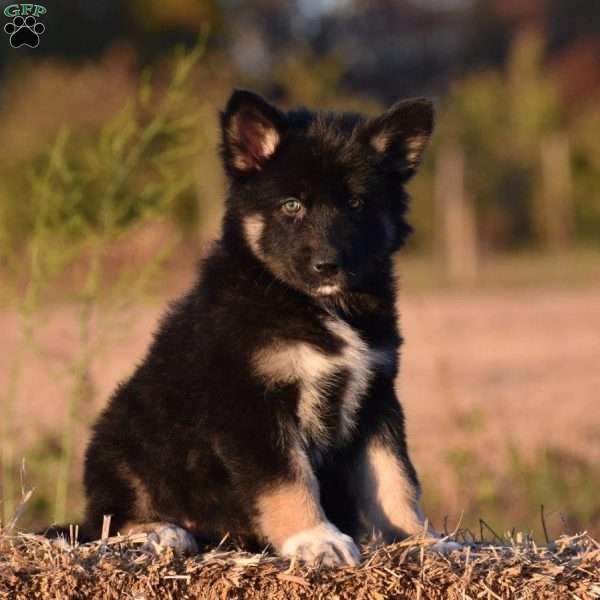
(31, 567)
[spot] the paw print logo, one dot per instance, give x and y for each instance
(24, 31)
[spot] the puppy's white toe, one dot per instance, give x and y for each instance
(171, 536)
(324, 544)
(61, 543)
(445, 547)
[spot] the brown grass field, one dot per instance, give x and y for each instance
(495, 381)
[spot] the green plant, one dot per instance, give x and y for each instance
(82, 194)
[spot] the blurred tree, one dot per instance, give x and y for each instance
(501, 123)
(577, 73)
(425, 44)
(586, 174)
(347, 54)
(158, 15)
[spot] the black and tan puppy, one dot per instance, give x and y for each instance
(265, 406)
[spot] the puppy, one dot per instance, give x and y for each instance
(265, 407)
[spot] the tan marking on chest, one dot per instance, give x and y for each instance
(317, 372)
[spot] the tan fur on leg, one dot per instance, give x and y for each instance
(388, 498)
(291, 518)
(291, 506)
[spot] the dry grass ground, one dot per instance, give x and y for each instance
(30, 567)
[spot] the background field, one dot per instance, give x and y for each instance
(110, 189)
(500, 385)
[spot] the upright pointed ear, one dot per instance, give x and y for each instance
(400, 134)
(252, 130)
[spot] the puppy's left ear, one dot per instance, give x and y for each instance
(400, 135)
(252, 130)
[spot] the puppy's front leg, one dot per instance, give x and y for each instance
(290, 516)
(389, 495)
(388, 491)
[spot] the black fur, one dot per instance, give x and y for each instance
(195, 436)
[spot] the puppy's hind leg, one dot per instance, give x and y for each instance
(115, 488)
(162, 535)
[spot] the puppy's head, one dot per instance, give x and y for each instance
(320, 196)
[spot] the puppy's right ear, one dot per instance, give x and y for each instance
(252, 130)
(400, 135)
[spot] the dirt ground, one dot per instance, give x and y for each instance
(526, 361)
(481, 367)
(493, 370)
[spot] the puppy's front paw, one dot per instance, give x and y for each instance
(444, 547)
(171, 536)
(325, 544)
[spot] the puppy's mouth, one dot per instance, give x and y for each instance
(328, 289)
(335, 286)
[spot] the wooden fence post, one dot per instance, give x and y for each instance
(555, 220)
(455, 219)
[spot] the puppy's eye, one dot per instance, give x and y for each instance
(355, 203)
(291, 206)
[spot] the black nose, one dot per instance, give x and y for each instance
(327, 267)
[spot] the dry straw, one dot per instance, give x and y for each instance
(118, 567)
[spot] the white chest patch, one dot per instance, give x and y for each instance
(316, 373)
